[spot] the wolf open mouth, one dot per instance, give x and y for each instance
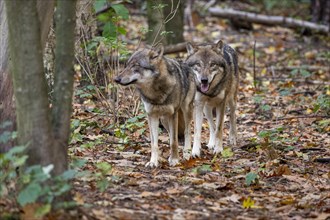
(205, 87)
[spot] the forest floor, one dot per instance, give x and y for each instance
(275, 172)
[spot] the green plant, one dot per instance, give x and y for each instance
(322, 103)
(251, 178)
(134, 124)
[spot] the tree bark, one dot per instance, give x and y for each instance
(174, 25)
(63, 80)
(7, 109)
(30, 87)
(268, 20)
(155, 23)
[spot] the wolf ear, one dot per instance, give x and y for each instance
(157, 52)
(190, 49)
(219, 46)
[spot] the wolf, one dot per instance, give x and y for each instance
(166, 88)
(216, 74)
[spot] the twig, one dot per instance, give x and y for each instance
(254, 65)
(303, 116)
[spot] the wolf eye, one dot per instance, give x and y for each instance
(213, 65)
(198, 65)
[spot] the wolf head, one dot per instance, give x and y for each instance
(207, 62)
(142, 67)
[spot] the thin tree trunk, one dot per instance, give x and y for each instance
(268, 20)
(30, 87)
(63, 80)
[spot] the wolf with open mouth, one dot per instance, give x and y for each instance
(216, 74)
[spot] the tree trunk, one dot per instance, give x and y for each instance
(174, 25)
(63, 80)
(46, 135)
(7, 109)
(155, 23)
(30, 87)
(320, 10)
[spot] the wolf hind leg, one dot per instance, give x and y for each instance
(173, 133)
(233, 130)
(187, 114)
(153, 123)
(209, 115)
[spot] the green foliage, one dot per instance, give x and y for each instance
(260, 101)
(134, 124)
(33, 184)
(227, 153)
(301, 72)
(251, 178)
(111, 18)
(322, 104)
(203, 169)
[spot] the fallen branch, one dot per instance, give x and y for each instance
(288, 68)
(314, 82)
(175, 48)
(268, 20)
(323, 160)
(302, 116)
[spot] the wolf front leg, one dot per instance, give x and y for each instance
(173, 131)
(219, 128)
(196, 151)
(153, 123)
(209, 115)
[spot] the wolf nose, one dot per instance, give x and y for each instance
(117, 79)
(204, 80)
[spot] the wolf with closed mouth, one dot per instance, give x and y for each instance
(216, 74)
(166, 87)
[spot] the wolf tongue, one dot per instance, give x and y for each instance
(204, 87)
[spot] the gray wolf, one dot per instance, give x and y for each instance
(216, 74)
(166, 87)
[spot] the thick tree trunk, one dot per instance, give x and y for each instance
(63, 85)
(30, 87)
(7, 110)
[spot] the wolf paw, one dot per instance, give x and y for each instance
(173, 161)
(196, 152)
(217, 150)
(211, 144)
(152, 164)
(232, 141)
(186, 155)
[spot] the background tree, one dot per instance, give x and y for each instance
(45, 131)
(7, 110)
(165, 17)
(320, 10)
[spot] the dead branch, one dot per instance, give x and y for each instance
(313, 82)
(302, 116)
(268, 20)
(289, 68)
(175, 48)
(323, 160)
